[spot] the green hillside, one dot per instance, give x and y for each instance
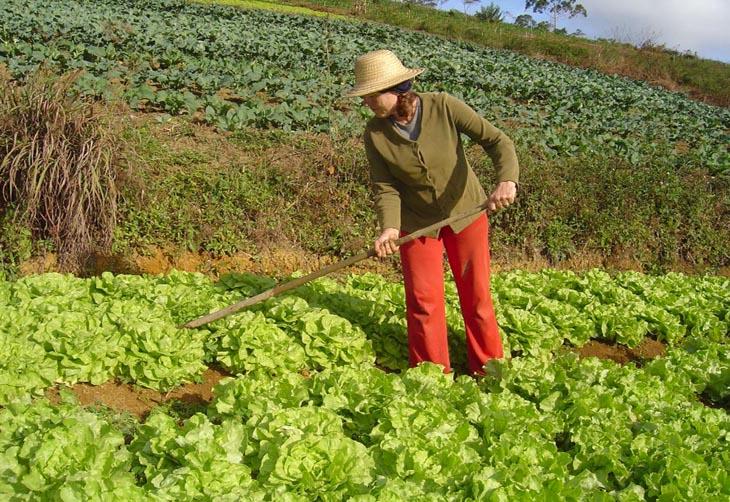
(611, 165)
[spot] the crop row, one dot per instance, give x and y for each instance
(556, 429)
(541, 311)
(58, 328)
(239, 68)
(309, 415)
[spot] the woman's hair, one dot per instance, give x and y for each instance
(407, 100)
(406, 106)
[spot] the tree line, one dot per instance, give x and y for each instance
(493, 13)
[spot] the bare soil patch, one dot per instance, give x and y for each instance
(648, 349)
(273, 262)
(280, 261)
(123, 397)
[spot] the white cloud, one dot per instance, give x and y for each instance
(701, 25)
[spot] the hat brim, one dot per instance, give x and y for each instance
(381, 85)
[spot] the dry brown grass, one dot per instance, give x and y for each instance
(58, 164)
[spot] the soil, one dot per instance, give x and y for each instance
(721, 405)
(138, 401)
(648, 349)
(272, 262)
(281, 262)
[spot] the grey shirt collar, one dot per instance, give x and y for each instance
(412, 129)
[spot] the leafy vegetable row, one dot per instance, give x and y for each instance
(560, 428)
(57, 328)
(309, 415)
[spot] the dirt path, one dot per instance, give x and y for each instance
(276, 262)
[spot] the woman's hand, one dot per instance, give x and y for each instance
(503, 196)
(385, 244)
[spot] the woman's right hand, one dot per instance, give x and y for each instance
(385, 244)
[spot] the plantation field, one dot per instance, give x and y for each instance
(239, 68)
(308, 396)
(310, 413)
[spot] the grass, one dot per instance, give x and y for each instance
(254, 189)
(702, 79)
(57, 167)
(184, 186)
(242, 192)
(190, 188)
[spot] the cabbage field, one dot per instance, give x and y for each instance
(236, 68)
(314, 410)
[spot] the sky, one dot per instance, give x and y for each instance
(696, 26)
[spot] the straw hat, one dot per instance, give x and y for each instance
(379, 70)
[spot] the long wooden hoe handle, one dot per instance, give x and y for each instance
(281, 288)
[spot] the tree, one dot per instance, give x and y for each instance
(556, 8)
(490, 13)
(525, 21)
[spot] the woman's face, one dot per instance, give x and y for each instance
(381, 103)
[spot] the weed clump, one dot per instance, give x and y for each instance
(57, 158)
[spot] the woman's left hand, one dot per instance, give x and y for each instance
(503, 196)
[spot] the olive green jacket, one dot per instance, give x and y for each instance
(418, 183)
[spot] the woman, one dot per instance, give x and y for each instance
(420, 175)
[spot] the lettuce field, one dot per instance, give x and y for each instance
(237, 68)
(318, 402)
(320, 407)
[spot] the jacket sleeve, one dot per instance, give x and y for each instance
(387, 197)
(496, 144)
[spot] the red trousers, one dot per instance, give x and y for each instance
(468, 255)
